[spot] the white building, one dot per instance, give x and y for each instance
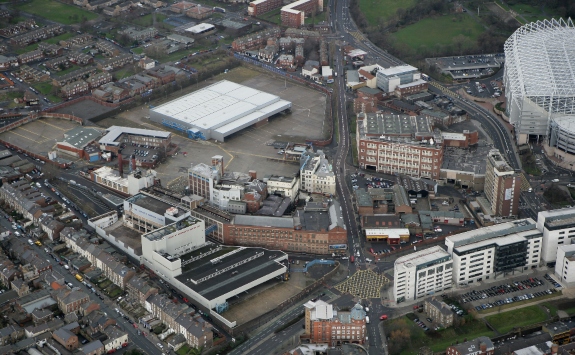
(558, 227)
(145, 213)
(494, 251)
(130, 185)
(316, 173)
(284, 186)
(565, 265)
(422, 273)
(390, 78)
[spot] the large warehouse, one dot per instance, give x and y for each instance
(218, 110)
(540, 77)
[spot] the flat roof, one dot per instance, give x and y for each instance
(114, 132)
(264, 221)
(421, 257)
(470, 160)
(79, 137)
(150, 203)
(223, 106)
(237, 276)
(199, 28)
(382, 124)
(397, 70)
(490, 232)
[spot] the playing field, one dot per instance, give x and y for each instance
(56, 11)
(439, 30)
(376, 9)
(521, 317)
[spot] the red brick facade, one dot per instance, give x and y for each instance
(291, 240)
(293, 15)
(257, 8)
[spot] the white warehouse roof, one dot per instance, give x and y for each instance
(224, 108)
(202, 27)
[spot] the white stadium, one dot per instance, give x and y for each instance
(218, 110)
(540, 78)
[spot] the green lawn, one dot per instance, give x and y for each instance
(373, 10)
(67, 70)
(138, 50)
(273, 16)
(56, 11)
(147, 20)
(44, 88)
(29, 48)
(318, 18)
(439, 30)
(521, 317)
(57, 39)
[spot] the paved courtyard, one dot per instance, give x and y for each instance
(363, 284)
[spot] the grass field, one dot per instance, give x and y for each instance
(29, 48)
(506, 321)
(147, 20)
(319, 18)
(376, 9)
(438, 30)
(272, 16)
(57, 11)
(62, 37)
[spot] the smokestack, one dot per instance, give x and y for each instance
(483, 348)
(253, 174)
(133, 163)
(554, 349)
(120, 165)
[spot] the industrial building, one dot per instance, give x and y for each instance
(218, 110)
(129, 185)
(502, 186)
(494, 251)
(399, 144)
(422, 273)
(539, 78)
(77, 140)
(558, 227)
(116, 136)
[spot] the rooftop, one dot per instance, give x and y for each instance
(171, 228)
(152, 204)
(79, 137)
(470, 160)
(114, 133)
(423, 258)
(199, 28)
(258, 262)
(392, 71)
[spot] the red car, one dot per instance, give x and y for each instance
(371, 250)
(383, 317)
(185, 300)
(135, 325)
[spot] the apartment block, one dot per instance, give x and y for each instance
(399, 144)
(422, 273)
(259, 7)
(558, 227)
(495, 251)
(294, 14)
(316, 173)
(502, 185)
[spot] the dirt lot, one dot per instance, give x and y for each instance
(39, 136)
(247, 149)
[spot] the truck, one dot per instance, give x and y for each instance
(79, 277)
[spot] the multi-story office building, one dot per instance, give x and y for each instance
(399, 144)
(324, 324)
(502, 185)
(422, 273)
(389, 79)
(494, 251)
(558, 227)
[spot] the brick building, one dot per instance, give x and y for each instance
(439, 312)
(399, 144)
(294, 14)
(75, 88)
(259, 7)
(479, 346)
(325, 325)
(255, 40)
(309, 231)
(462, 140)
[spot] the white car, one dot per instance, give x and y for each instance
(368, 260)
(445, 203)
(438, 230)
(344, 258)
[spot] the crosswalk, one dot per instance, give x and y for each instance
(357, 35)
(525, 186)
(445, 90)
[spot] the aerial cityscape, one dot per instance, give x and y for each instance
(306, 177)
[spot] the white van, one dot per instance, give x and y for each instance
(30, 242)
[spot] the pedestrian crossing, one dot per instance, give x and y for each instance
(357, 35)
(525, 186)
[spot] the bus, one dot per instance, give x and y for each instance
(79, 277)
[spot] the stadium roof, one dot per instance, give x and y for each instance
(114, 132)
(540, 59)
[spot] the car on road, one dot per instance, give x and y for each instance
(383, 317)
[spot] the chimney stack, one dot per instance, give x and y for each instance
(554, 349)
(253, 174)
(120, 165)
(483, 348)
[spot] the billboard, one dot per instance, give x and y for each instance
(338, 246)
(508, 193)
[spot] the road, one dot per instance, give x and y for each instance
(107, 306)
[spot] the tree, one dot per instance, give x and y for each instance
(458, 42)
